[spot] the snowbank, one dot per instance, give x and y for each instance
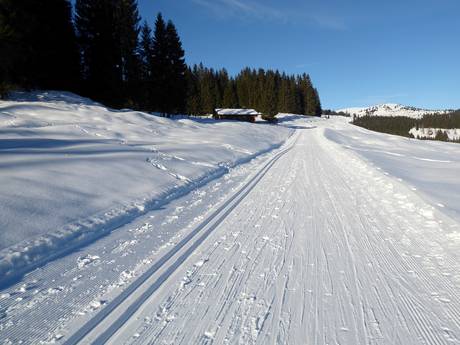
(73, 170)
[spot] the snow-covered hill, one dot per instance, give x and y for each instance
(72, 169)
(390, 109)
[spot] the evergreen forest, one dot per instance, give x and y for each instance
(103, 50)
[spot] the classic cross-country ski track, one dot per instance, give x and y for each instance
(99, 329)
(311, 243)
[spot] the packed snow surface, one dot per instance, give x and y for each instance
(328, 239)
(71, 169)
(390, 109)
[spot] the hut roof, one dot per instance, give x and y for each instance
(241, 112)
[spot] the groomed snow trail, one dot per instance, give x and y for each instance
(324, 250)
(316, 247)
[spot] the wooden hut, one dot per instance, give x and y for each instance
(248, 115)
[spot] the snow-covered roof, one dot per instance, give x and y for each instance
(241, 112)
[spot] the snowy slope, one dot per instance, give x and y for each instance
(429, 167)
(390, 109)
(316, 242)
(72, 170)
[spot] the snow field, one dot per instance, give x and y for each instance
(95, 169)
(342, 240)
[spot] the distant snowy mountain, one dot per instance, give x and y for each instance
(390, 109)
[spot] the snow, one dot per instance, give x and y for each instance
(429, 167)
(335, 237)
(73, 170)
(390, 109)
(237, 112)
(452, 133)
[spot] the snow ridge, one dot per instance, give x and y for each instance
(391, 109)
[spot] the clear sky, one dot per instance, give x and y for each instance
(358, 52)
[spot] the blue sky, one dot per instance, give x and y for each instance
(357, 52)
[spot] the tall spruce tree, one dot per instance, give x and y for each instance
(176, 69)
(160, 66)
(308, 95)
(208, 91)
(37, 44)
(269, 96)
(146, 82)
(146, 51)
(108, 36)
(193, 101)
(230, 98)
(97, 27)
(318, 108)
(127, 23)
(13, 46)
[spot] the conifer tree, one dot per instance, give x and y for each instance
(127, 34)
(270, 101)
(193, 101)
(208, 91)
(160, 66)
(37, 44)
(108, 35)
(13, 46)
(176, 69)
(318, 108)
(146, 51)
(230, 99)
(308, 94)
(102, 73)
(145, 54)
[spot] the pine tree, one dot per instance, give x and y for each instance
(176, 69)
(97, 28)
(230, 99)
(193, 101)
(270, 101)
(243, 87)
(318, 108)
(146, 51)
(13, 52)
(308, 94)
(208, 91)
(108, 33)
(145, 54)
(127, 34)
(223, 81)
(37, 44)
(160, 66)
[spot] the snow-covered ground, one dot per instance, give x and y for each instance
(329, 239)
(390, 109)
(452, 133)
(429, 167)
(72, 170)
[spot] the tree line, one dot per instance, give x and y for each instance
(401, 125)
(101, 50)
(268, 91)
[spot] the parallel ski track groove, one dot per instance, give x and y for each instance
(219, 216)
